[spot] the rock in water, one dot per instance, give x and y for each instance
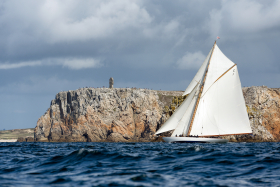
(21, 139)
(102, 114)
(29, 139)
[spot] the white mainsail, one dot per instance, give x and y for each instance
(222, 111)
(221, 107)
(219, 64)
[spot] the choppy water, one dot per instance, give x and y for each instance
(139, 164)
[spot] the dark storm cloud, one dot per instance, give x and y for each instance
(49, 46)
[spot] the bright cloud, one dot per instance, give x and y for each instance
(100, 19)
(191, 60)
(19, 65)
(71, 63)
(80, 63)
(244, 17)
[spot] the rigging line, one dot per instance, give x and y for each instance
(218, 79)
(198, 81)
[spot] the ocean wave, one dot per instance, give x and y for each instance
(139, 164)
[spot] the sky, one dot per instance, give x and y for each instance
(49, 46)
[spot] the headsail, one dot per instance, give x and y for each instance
(173, 121)
(183, 124)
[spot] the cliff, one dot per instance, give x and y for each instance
(104, 114)
(264, 112)
(123, 115)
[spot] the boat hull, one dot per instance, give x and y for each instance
(193, 140)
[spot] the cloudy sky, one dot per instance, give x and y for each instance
(49, 46)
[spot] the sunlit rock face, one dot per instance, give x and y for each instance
(263, 111)
(103, 114)
(133, 115)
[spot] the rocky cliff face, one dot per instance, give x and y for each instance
(264, 112)
(122, 115)
(103, 114)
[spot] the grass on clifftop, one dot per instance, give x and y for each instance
(15, 133)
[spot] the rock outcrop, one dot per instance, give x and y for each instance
(127, 114)
(25, 139)
(264, 112)
(21, 139)
(103, 114)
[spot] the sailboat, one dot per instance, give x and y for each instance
(214, 106)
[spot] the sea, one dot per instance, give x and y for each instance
(139, 164)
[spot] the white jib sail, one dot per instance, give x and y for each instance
(183, 124)
(221, 109)
(173, 121)
(198, 77)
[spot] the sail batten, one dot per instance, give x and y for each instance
(225, 73)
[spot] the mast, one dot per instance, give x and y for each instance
(200, 92)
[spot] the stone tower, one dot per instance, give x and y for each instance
(111, 82)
